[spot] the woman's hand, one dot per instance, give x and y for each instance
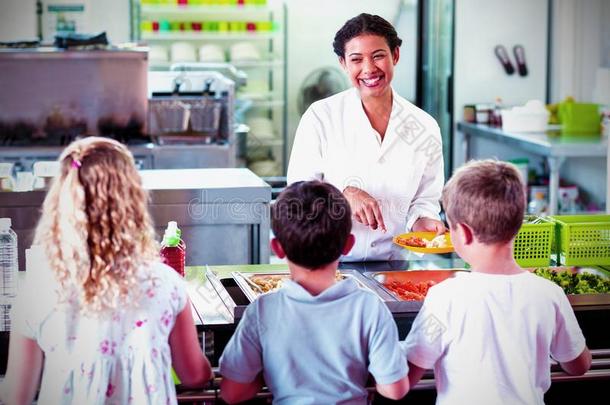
(364, 207)
(424, 224)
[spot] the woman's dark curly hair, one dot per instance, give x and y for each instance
(365, 24)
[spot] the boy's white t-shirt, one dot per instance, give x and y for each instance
(490, 338)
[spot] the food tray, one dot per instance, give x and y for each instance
(579, 300)
(242, 280)
(582, 239)
(393, 301)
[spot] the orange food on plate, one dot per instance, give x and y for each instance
(411, 241)
(408, 290)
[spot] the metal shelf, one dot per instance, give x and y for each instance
(267, 103)
(263, 64)
(258, 64)
(201, 36)
(189, 10)
(254, 141)
(271, 101)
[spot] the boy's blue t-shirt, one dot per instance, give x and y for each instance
(316, 349)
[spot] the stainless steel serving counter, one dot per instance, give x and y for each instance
(554, 147)
(217, 284)
(223, 213)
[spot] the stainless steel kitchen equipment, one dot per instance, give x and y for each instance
(223, 213)
(50, 96)
(191, 107)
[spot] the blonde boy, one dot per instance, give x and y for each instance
(490, 334)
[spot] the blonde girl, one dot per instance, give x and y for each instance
(114, 320)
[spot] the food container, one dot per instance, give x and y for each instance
(580, 299)
(483, 113)
(211, 53)
(469, 114)
(183, 52)
(534, 242)
(205, 117)
(397, 304)
(533, 117)
(171, 115)
(582, 239)
(269, 281)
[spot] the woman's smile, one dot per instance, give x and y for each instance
(374, 81)
(369, 63)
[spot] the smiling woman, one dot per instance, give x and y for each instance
(381, 151)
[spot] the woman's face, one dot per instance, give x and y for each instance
(369, 63)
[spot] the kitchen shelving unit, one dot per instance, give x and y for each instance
(261, 23)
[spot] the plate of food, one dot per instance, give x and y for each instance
(425, 242)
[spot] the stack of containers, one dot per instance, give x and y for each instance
(582, 240)
(571, 240)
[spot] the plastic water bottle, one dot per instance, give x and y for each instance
(8, 260)
(538, 205)
(8, 272)
(173, 248)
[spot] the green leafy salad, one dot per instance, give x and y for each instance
(575, 283)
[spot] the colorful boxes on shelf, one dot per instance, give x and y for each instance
(208, 26)
(204, 2)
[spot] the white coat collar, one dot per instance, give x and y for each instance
(363, 125)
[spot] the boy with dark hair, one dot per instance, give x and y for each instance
(316, 339)
(490, 334)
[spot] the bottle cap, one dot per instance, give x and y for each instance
(5, 223)
(171, 237)
(171, 240)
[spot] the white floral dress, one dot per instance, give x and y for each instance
(120, 358)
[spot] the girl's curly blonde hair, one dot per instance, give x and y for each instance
(95, 226)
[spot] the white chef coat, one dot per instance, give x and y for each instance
(336, 143)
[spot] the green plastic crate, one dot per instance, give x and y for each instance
(534, 242)
(582, 239)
